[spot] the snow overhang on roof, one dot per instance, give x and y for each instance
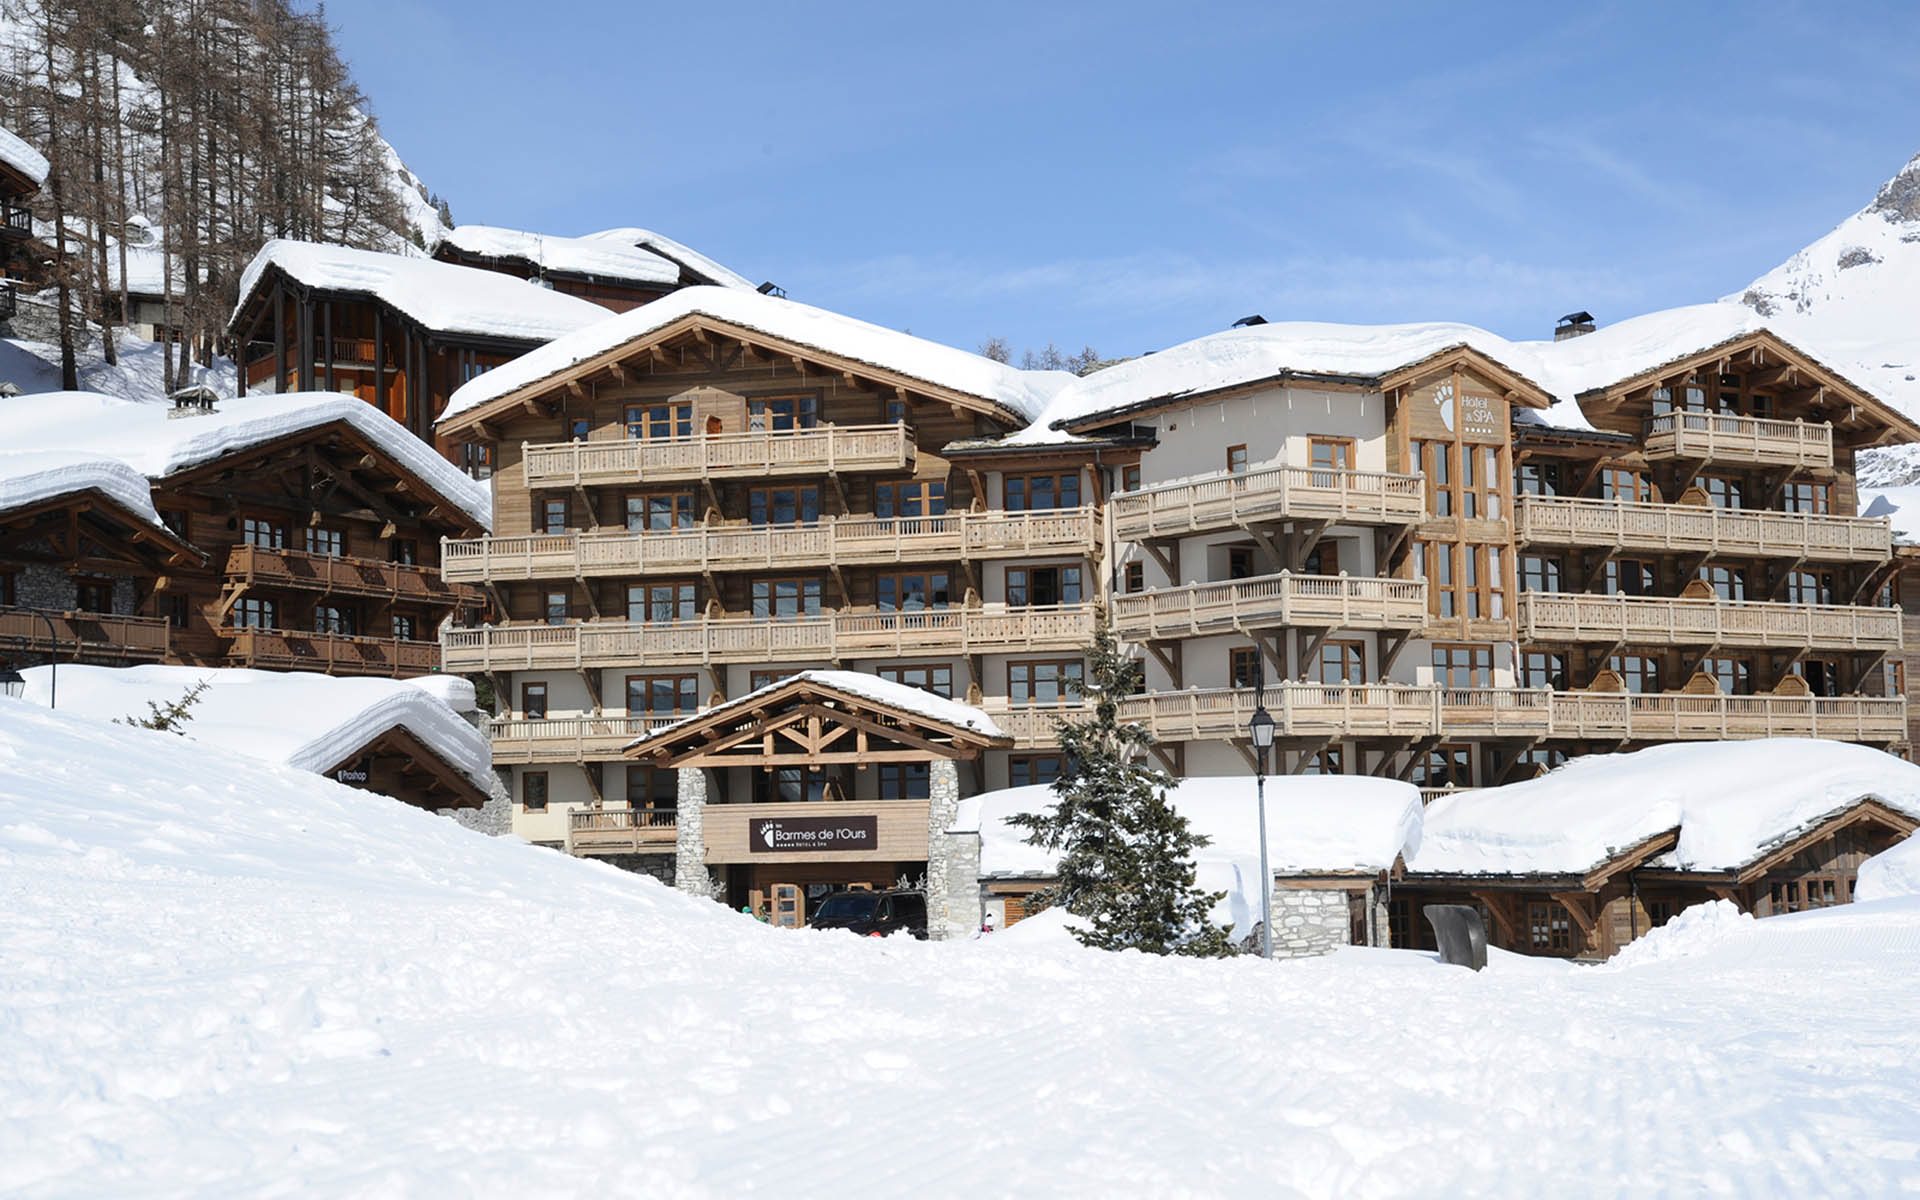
(691, 261)
(33, 479)
(909, 362)
(442, 298)
(588, 257)
(22, 159)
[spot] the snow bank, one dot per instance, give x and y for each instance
(1695, 931)
(301, 719)
(33, 476)
(702, 268)
(443, 297)
(1890, 873)
(143, 436)
(22, 157)
(1730, 801)
(1900, 505)
(599, 257)
(1022, 394)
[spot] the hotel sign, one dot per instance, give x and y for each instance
(845, 835)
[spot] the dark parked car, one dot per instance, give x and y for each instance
(873, 914)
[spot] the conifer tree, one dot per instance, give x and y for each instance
(1126, 857)
(169, 717)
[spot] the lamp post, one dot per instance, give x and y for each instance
(53, 661)
(1260, 729)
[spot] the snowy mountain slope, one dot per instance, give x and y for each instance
(229, 978)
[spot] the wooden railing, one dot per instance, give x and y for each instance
(569, 739)
(1678, 717)
(353, 351)
(838, 540)
(1263, 601)
(1718, 437)
(16, 219)
(84, 636)
(1227, 498)
(338, 573)
(335, 654)
(1559, 521)
(830, 636)
(622, 830)
(1032, 727)
(1565, 617)
(821, 451)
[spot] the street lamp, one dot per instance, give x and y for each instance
(1260, 729)
(11, 682)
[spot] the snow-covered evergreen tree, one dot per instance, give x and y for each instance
(1126, 857)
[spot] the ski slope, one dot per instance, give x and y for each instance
(229, 978)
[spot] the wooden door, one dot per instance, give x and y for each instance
(789, 906)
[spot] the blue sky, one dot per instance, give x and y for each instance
(1133, 175)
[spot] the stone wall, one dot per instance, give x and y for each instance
(40, 585)
(1309, 921)
(953, 860)
(690, 846)
(660, 866)
(493, 818)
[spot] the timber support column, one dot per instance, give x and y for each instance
(689, 846)
(953, 859)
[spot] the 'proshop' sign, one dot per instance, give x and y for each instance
(841, 834)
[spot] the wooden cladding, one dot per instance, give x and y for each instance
(331, 653)
(1267, 601)
(826, 450)
(901, 834)
(1227, 499)
(841, 541)
(1743, 532)
(1724, 438)
(388, 581)
(85, 636)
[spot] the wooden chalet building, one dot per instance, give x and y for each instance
(620, 269)
(295, 532)
(22, 171)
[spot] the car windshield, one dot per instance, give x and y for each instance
(847, 906)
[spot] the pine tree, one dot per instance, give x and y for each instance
(169, 718)
(1126, 857)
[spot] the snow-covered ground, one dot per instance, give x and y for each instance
(35, 367)
(230, 978)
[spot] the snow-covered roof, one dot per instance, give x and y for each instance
(143, 436)
(303, 719)
(1729, 800)
(602, 258)
(1021, 394)
(904, 697)
(22, 158)
(30, 477)
(697, 264)
(443, 297)
(1890, 873)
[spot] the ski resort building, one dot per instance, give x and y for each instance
(22, 170)
(290, 532)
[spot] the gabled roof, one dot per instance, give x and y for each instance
(696, 267)
(846, 714)
(118, 501)
(780, 326)
(442, 298)
(22, 160)
(596, 258)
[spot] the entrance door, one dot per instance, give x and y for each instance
(789, 906)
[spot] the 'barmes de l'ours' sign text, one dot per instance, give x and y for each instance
(843, 834)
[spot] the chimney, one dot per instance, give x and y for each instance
(1573, 325)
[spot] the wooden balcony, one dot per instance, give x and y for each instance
(299, 570)
(16, 221)
(844, 541)
(1676, 716)
(1557, 617)
(1267, 601)
(1225, 500)
(1032, 726)
(334, 654)
(822, 451)
(827, 637)
(572, 739)
(1735, 532)
(593, 831)
(83, 636)
(1717, 437)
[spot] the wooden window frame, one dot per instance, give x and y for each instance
(547, 508)
(1350, 650)
(896, 494)
(933, 598)
(266, 606)
(1064, 668)
(1539, 668)
(1344, 449)
(667, 799)
(277, 529)
(1026, 585)
(1243, 667)
(678, 419)
(1550, 928)
(527, 790)
(679, 504)
(1057, 482)
(1478, 659)
(1736, 680)
(334, 538)
(546, 606)
(1029, 763)
(1237, 460)
(530, 692)
(806, 411)
(685, 683)
(897, 780)
(87, 587)
(806, 587)
(690, 604)
(1637, 669)
(805, 496)
(1130, 478)
(1133, 578)
(899, 673)
(345, 621)
(411, 630)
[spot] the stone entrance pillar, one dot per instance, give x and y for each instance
(953, 860)
(689, 847)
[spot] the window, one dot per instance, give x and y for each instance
(659, 513)
(1133, 578)
(1044, 682)
(1725, 491)
(533, 791)
(1330, 454)
(559, 609)
(657, 422)
(893, 412)
(1469, 491)
(1323, 559)
(268, 535)
(1026, 492)
(1734, 675)
(476, 459)
(1342, 662)
(783, 506)
(255, 613)
(172, 605)
(553, 515)
(1024, 770)
(93, 595)
(1326, 762)
(788, 785)
(1640, 673)
(577, 429)
(1237, 459)
(1728, 583)
(659, 602)
(661, 695)
(533, 701)
(405, 551)
(1239, 562)
(1433, 561)
(1456, 666)
(759, 679)
(1822, 675)
(653, 789)
(912, 592)
(1539, 670)
(1490, 477)
(1435, 461)
(1537, 479)
(1619, 484)
(336, 619)
(779, 414)
(905, 781)
(1806, 498)
(405, 627)
(1243, 667)
(175, 519)
(1629, 577)
(935, 679)
(1130, 479)
(1445, 767)
(1476, 589)
(1043, 585)
(330, 542)
(1893, 679)
(1810, 587)
(782, 598)
(1549, 928)
(1539, 573)
(9, 590)
(910, 499)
